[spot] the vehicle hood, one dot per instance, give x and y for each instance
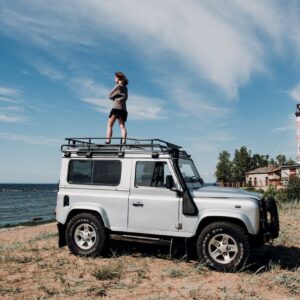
(223, 192)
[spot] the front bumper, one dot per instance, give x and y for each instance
(269, 219)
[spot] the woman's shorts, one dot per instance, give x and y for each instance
(119, 114)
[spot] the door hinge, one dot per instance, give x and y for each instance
(178, 226)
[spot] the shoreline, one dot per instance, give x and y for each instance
(27, 224)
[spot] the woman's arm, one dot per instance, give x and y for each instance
(114, 92)
(119, 92)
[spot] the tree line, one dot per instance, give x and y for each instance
(233, 172)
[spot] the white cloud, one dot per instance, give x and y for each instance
(224, 43)
(8, 93)
(11, 118)
(4, 99)
(295, 93)
(193, 103)
(24, 72)
(289, 125)
(10, 114)
(11, 108)
(280, 129)
(86, 87)
(35, 140)
(48, 70)
(140, 107)
(221, 136)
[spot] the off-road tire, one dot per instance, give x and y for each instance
(85, 235)
(223, 246)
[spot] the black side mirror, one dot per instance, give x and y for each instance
(170, 182)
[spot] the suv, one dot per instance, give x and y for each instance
(151, 190)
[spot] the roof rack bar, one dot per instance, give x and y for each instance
(93, 140)
(118, 144)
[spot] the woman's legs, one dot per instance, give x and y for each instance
(123, 130)
(110, 123)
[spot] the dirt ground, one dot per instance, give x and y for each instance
(33, 267)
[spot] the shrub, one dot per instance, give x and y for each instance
(109, 272)
(293, 189)
(249, 188)
(282, 196)
(271, 191)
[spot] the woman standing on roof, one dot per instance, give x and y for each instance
(118, 95)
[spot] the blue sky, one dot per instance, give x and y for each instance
(207, 75)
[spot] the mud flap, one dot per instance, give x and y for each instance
(61, 235)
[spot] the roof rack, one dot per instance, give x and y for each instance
(97, 144)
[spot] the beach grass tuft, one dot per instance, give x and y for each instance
(108, 272)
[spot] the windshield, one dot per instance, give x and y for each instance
(190, 174)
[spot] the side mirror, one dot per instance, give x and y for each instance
(170, 182)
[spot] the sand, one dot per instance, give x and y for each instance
(33, 267)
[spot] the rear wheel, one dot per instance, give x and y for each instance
(223, 246)
(85, 235)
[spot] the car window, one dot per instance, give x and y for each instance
(190, 173)
(80, 171)
(107, 172)
(98, 172)
(151, 173)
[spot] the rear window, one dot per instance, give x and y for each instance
(98, 172)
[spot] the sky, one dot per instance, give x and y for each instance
(206, 75)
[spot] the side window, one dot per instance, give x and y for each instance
(80, 171)
(107, 172)
(151, 173)
(98, 172)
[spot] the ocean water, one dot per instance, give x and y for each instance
(25, 202)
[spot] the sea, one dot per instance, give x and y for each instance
(21, 203)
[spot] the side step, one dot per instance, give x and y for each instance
(148, 240)
(142, 239)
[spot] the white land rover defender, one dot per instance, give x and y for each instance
(151, 189)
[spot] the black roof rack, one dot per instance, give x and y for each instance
(97, 144)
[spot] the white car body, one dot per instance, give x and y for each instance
(131, 208)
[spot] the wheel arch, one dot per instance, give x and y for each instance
(213, 219)
(98, 211)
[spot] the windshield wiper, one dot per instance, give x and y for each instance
(193, 179)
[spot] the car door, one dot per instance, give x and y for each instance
(152, 207)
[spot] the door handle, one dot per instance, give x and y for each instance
(138, 204)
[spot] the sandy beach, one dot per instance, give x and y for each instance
(33, 267)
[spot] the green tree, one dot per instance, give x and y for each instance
(240, 165)
(258, 161)
(293, 189)
(281, 159)
(223, 169)
(273, 163)
(290, 162)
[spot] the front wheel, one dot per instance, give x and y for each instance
(85, 235)
(223, 246)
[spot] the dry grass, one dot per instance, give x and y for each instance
(33, 267)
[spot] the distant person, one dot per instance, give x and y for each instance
(118, 95)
